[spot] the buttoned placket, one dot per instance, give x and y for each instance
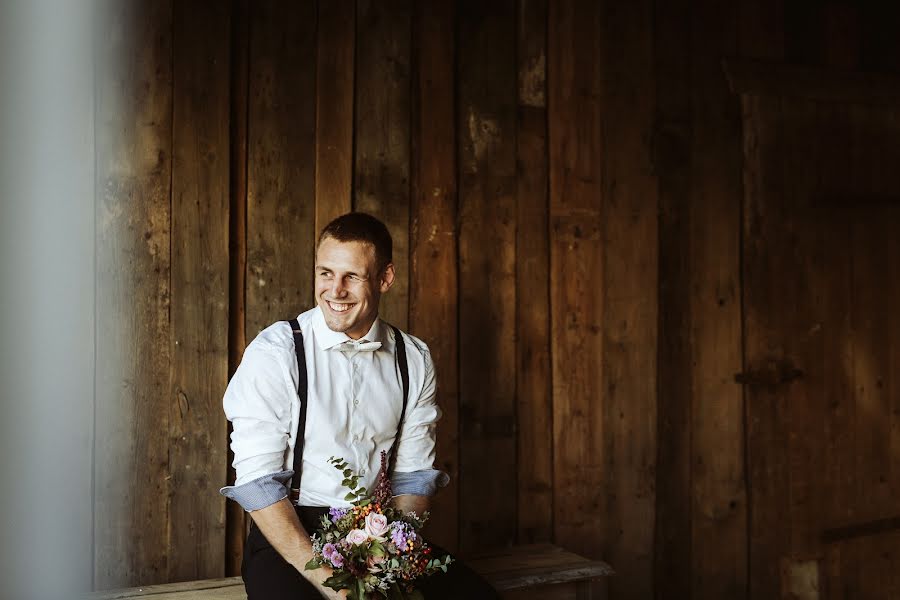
(353, 358)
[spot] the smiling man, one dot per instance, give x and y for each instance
(335, 381)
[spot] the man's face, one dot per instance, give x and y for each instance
(349, 286)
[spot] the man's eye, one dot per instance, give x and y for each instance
(325, 274)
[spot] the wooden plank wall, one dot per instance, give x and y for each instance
(563, 182)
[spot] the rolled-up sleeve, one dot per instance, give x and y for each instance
(414, 471)
(258, 404)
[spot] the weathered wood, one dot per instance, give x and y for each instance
(534, 400)
(334, 109)
(672, 161)
(766, 430)
(383, 133)
(541, 567)
(433, 287)
(228, 588)
(236, 521)
(840, 33)
(719, 507)
(576, 301)
(133, 161)
(199, 287)
(630, 267)
(760, 29)
(487, 286)
(775, 79)
(281, 163)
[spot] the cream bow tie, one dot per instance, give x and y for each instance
(359, 347)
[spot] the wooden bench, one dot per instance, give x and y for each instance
(519, 573)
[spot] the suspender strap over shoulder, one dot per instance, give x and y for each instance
(303, 394)
(400, 351)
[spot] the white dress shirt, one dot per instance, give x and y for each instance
(355, 395)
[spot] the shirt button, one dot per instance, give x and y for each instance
(362, 471)
(356, 402)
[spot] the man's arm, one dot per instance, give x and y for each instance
(279, 523)
(412, 502)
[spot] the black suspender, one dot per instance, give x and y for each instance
(400, 348)
(303, 394)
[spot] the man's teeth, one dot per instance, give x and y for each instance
(339, 307)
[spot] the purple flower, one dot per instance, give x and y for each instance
(328, 550)
(336, 514)
(337, 561)
(401, 533)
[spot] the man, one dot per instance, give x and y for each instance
(355, 378)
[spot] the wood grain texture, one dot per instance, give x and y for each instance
(199, 287)
(487, 270)
(434, 287)
(767, 416)
(672, 140)
(576, 273)
(334, 109)
(629, 284)
(281, 163)
(236, 521)
(539, 571)
(718, 489)
(534, 400)
(382, 127)
(133, 161)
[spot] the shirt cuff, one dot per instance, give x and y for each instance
(419, 483)
(261, 492)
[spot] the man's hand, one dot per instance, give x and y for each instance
(279, 523)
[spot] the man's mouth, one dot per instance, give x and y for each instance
(340, 307)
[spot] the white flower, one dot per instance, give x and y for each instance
(357, 537)
(376, 525)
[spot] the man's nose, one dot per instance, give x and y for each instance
(337, 287)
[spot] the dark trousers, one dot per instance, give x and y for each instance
(267, 576)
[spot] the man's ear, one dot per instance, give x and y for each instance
(387, 277)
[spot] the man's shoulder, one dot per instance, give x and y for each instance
(414, 345)
(278, 337)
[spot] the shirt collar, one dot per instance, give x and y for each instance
(327, 339)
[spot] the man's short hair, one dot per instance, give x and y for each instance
(362, 227)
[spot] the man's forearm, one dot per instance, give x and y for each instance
(279, 523)
(412, 502)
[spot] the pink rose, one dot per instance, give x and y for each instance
(376, 525)
(357, 537)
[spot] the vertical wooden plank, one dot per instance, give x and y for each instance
(433, 290)
(719, 508)
(533, 385)
(672, 161)
(764, 345)
(487, 220)
(576, 301)
(134, 144)
(281, 162)
(236, 521)
(760, 27)
(382, 133)
(840, 32)
(334, 109)
(629, 326)
(199, 287)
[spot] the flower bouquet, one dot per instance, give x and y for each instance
(372, 547)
